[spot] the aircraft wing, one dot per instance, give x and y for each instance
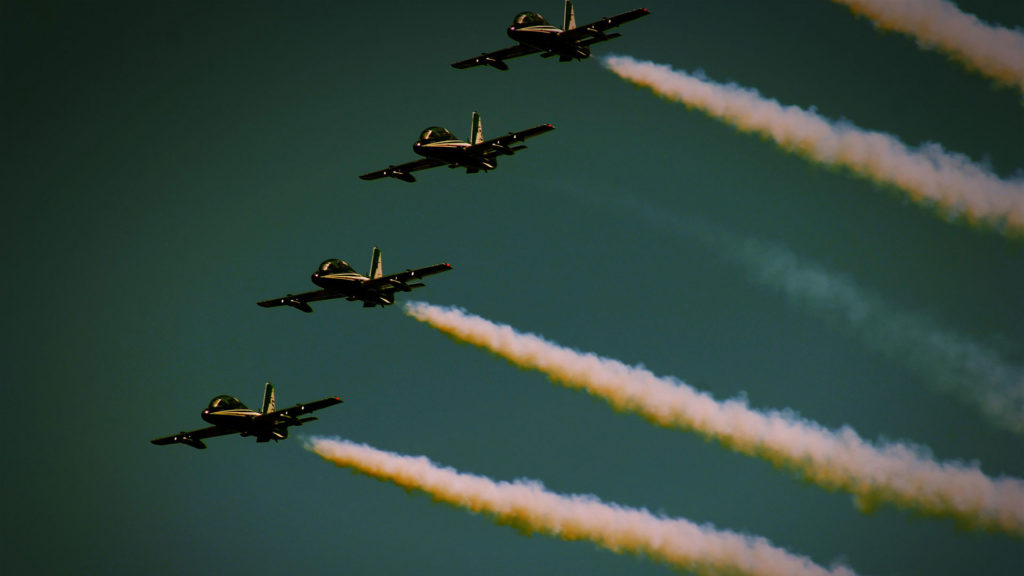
(299, 409)
(502, 144)
(594, 32)
(403, 171)
(195, 437)
(398, 281)
(497, 58)
(299, 301)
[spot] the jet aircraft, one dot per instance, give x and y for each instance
(440, 147)
(229, 416)
(338, 280)
(534, 34)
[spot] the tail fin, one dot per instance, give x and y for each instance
(268, 399)
(477, 133)
(375, 268)
(569, 17)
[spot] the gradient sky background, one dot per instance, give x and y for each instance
(168, 164)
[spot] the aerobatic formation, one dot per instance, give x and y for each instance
(901, 474)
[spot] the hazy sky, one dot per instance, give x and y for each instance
(168, 165)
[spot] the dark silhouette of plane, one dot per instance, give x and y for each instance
(439, 147)
(534, 35)
(338, 280)
(229, 416)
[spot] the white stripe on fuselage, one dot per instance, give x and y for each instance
(236, 412)
(451, 152)
(446, 144)
(545, 28)
(345, 276)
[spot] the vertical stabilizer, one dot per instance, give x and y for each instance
(477, 133)
(375, 268)
(268, 399)
(568, 17)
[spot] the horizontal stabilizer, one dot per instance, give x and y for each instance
(599, 38)
(509, 150)
(293, 421)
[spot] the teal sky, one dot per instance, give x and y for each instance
(167, 165)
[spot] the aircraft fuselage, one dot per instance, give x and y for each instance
(346, 282)
(453, 153)
(241, 419)
(350, 285)
(546, 38)
(234, 419)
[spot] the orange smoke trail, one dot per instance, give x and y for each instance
(929, 175)
(898, 473)
(994, 51)
(527, 504)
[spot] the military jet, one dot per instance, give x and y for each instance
(439, 147)
(534, 34)
(229, 416)
(339, 280)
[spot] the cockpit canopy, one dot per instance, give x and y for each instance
(436, 134)
(335, 266)
(225, 403)
(524, 19)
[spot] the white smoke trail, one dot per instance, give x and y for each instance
(902, 474)
(992, 50)
(929, 175)
(952, 362)
(527, 504)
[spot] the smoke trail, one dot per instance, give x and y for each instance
(992, 50)
(528, 505)
(898, 473)
(953, 363)
(930, 175)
